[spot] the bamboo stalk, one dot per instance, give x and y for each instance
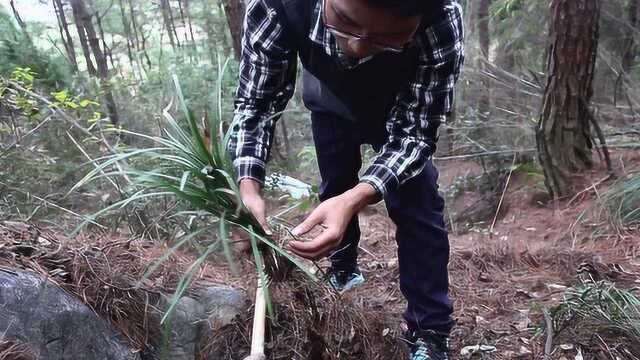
(259, 320)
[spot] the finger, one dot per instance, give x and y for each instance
(265, 226)
(257, 208)
(309, 223)
(260, 215)
(325, 241)
(309, 255)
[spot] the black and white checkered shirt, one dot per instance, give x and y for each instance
(267, 78)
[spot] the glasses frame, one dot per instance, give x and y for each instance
(357, 37)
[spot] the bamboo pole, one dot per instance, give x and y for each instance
(259, 322)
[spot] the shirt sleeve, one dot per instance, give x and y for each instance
(419, 110)
(266, 83)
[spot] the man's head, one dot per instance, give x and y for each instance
(366, 27)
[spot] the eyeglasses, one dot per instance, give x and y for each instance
(349, 36)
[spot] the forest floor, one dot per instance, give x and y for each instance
(502, 277)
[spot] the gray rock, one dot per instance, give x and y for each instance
(222, 304)
(192, 319)
(53, 323)
(185, 324)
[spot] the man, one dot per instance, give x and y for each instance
(377, 72)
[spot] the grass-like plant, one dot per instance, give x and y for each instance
(622, 201)
(601, 308)
(194, 171)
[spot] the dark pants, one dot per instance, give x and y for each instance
(415, 207)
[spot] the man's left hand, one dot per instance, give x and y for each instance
(334, 216)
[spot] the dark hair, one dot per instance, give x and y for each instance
(407, 7)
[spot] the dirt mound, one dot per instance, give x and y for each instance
(315, 323)
(105, 273)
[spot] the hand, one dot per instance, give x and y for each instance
(252, 199)
(334, 216)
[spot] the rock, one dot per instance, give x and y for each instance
(193, 319)
(222, 304)
(469, 351)
(524, 352)
(54, 324)
(186, 327)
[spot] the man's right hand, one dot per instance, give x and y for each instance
(252, 199)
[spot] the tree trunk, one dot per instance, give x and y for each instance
(85, 25)
(140, 46)
(21, 23)
(563, 135)
(167, 16)
(208, 28)
(82, 36)
(234, 10)
(484, 39)
(107, 51)
(482, 19)
(127, 33)
(630, 48)
(186, 10)
(194, 49)
(67, 40)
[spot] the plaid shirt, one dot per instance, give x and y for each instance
(267, 79)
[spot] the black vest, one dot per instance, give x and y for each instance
(365, 93)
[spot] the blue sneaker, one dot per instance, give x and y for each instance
(344, 280)
(428, 345)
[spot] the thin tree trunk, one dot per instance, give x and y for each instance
(484, 39)
(67, 40)
(234, 10)
(173, 23)
(186, 10)
(193, 38)
(167, 16)
(21, 23)
(167, 23)
(107, 51)
(183, 21)
(144, 50)
(84, 23)
(285, 138)
(127, 32)
(210, 30)
(563, 135)
(134, 25)
(141, 47)
(630, 48)
(82, 36)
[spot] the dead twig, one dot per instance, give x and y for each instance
(548, 346)
(506, 185)
(592, 186)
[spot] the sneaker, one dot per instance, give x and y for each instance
(344, 280)
(428, 345)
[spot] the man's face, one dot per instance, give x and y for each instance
(362, 30)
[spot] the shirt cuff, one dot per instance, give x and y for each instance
(382, 178)
(248, 167)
